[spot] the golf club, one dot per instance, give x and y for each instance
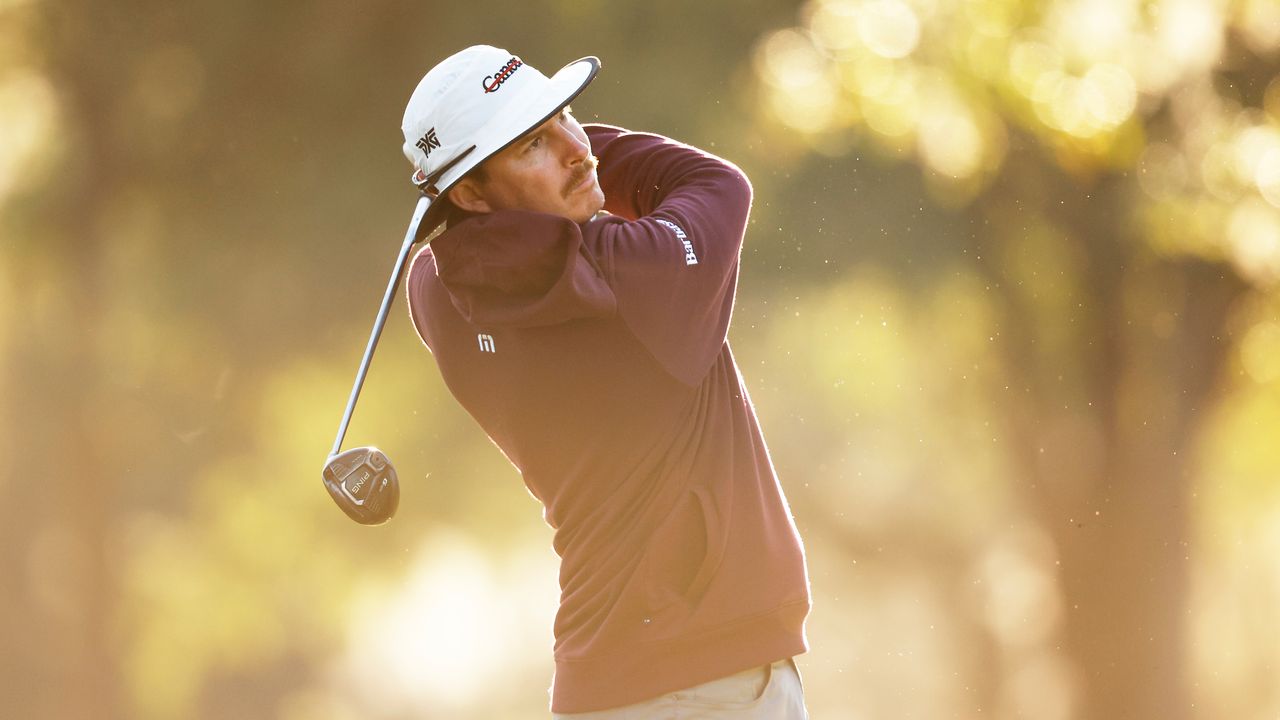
(362, 480)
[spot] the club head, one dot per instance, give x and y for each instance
(363, 483)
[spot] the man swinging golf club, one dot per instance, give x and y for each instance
(591, 347)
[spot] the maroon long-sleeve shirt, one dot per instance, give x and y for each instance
(596, 357)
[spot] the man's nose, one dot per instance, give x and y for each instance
(574, 149)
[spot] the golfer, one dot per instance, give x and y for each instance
(577, 304)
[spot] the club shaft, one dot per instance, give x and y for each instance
(410, 235)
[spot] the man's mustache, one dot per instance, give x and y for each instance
(586, 168)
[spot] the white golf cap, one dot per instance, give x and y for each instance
(477, 102)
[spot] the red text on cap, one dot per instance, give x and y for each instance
(491, 83)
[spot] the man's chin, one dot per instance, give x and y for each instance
(592, 205)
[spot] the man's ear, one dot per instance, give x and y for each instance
(467, 195)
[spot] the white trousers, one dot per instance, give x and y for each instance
(768, 692)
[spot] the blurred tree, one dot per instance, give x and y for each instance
(1115, 167)
(61, 616)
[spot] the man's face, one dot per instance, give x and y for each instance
(550, 169)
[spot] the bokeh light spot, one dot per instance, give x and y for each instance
(1109, 94)
(1260, 352)
(889, 28)
(1260, 25)
(949, 139)
(440, 639)
(1267, 176)
(28, 112)
(1252, 146)
(1092, 29)
(1253, 233)
(1030, 61)
(801, 92)
(1190, 32)
(834, 25)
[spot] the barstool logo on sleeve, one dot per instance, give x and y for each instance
(493, 82)
(690, 257)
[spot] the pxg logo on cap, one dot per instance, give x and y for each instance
(492, 83)
(428, 142)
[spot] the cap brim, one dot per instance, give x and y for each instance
(562, 89)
